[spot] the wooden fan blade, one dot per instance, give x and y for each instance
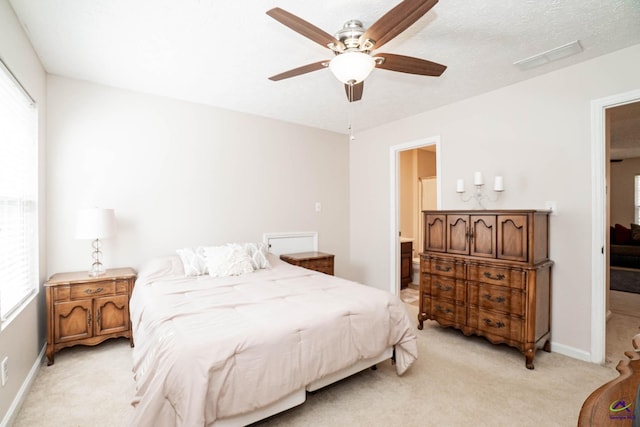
(396, 21)
(305, 28)
(354, 92)
(300, 70)
(410, 65)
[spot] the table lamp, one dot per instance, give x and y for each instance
(95, 224)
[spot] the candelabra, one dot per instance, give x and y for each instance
(478, 195)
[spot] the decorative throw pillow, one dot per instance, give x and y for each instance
(635, 233)
(257, 253)
(227, 260)
(623, 235)
(193, 261)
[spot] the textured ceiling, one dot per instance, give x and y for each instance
(220, 52)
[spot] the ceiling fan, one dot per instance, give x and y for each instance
(353, 46)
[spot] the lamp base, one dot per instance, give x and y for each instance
(97, 269)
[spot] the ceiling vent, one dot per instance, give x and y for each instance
(549, 56)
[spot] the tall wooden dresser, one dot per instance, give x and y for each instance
(488, 273)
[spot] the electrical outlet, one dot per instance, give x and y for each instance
(4, 370)
(318, 206)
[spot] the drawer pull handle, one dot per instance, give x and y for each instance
(92, 291)
(445, 269)
(489, 276)
(445, 310)
(498, 324)
(89, 319)
(98, 318)
(497, 299)
(443, 288)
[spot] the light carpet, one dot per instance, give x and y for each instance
(456, 381)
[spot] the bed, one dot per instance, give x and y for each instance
(232, 350)
(616, 403)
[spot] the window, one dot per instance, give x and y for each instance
(18, 195)
(637, 199)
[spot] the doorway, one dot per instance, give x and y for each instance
(601, 155)
(623, 268)
(409, 162)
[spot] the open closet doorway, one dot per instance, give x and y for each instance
(622, 130)
(414, 187)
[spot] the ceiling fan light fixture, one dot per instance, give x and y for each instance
(352, 67)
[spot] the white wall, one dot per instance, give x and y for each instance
(24, 337)
(181, 174)
(537, 134)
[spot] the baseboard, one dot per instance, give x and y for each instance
(11, 414)
(571, 352)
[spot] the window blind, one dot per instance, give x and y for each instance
(18, 195)
(637, 198)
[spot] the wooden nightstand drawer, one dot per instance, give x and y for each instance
(93, 289)
(61, 293)
(318, 261)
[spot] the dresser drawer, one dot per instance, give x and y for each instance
(61, 293)
(503, 276)
(122, 287)
(445, 312)
(495, 323)
(445, 287)
(88, 290)
(500, 298)
(442, 267)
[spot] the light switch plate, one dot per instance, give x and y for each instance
(4, 370)
(552, 206)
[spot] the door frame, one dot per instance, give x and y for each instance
(600, 217)
(394, 162)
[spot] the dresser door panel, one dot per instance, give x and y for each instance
(483, 236)
(512, 237)
(434, 233)
(111, 314)
(458, 234)
(73, 321)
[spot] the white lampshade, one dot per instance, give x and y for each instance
(352, 67)
(95, 223)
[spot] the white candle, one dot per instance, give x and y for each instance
(498, 184)
(460, 186)
(477, 178)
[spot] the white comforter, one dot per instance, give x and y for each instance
(209, 348)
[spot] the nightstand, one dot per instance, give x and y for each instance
(87, 310)
(318, 261)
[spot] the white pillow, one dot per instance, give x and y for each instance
(227, 260)
(161, 267)
(193, 260)
(257, 253)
